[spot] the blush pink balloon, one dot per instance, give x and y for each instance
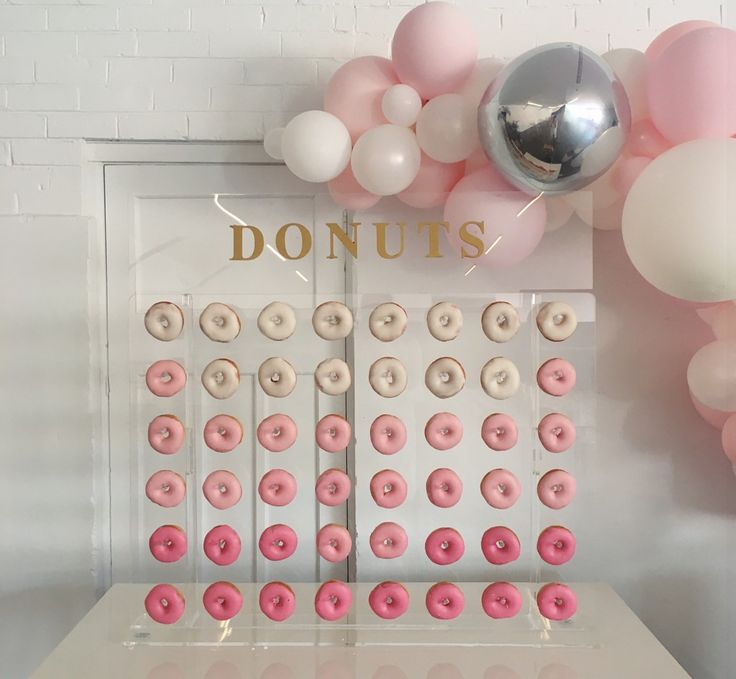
(355, 91)
(477, 160)
(728, 438)
(667, 37)
(347, 193)
(646, 140)
(434, 49)
(715, 418)
(433, 183)
(628, 171)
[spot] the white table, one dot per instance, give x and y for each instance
(605, 640)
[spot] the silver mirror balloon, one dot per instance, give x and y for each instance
(554, 119)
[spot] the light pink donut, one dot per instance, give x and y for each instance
(556, 377)
(166, 488)
(277, 542)
(333, 487)
(388, 434)
(277, 601)
(388, 488)
(222, 433)
(222, 600)
(166, 434)
(444, 488)
(334, 542)
(556, 489)
(389, 600)
(500, 488)
(388, 540)
(556, 545)
(500, 545)
(443, 431)
(501, 600)
(222, 545)
(499, 432)
(276, 433)
(556, 432)
(444, 546)
(222, 489)
(277, 487)
(165, 604)
(168, 543)
(444, 601)
(333, 433)
(165, 378)
(557, 601)
(333, 600)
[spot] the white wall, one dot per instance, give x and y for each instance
(662, 524)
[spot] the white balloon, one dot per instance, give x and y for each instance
(711, 375)
(316, 146)
(386, 159)
(631, 68)
(480, 80)
(272, 143)
(447, 128)
(559, 212)
(678, 221)
(401, 105)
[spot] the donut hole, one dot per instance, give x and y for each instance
(219, 377)
(276, 320)
(163, 321)
(166, 377)
(500, 544)
(219, 321)
(275, 377)
(559, 319)
(165, 433)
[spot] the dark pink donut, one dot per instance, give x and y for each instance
(277, 542)
(222, 545)
(443, 431)
(222, 600)
(168, 543)
(333, 600)
(389, 600)
(165, 604)
(556, 432)
(388, 540)
(277, 601)
(556, 545)
(388, 434)
(445, 601)
(501, 600)
(444, 546)
(557, 601)
(500, 545)
(499, 432)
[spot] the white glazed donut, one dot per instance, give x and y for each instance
(221, 378)
(219, 322)
(332, 376)
(277, 321)
(445, 377)
(164, 321)
(500, 321)
(557, 321)
(445, 321)
(500, 378)
(332, 321)
(277, 377)
(387, 322)
(387, 376)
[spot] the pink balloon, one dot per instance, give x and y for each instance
(645, 140)
(433, 183)
(628, 171)
(434, 49)
(476, 161)
(692, 86)
(514, 222)
(347, 193)
(715, 418)
(728, 438)
(666, 38)
(355, 91)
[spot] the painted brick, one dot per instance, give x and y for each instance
(18, 18)
(250, 44)
(5, 156)
(234, 18)
(82, 18)
(71, 70)
(240, 126)
(182, 97)
(112, 44)
(172, 44)
(21, 125)
(82, 125)
(16, 70)
(154, 18)
(300, 98)
(34, 44)
(46, 151)
(42, 97)
(333, 45)
(210, 71)
(140, 70)
(115, 98)
(59, 194)
(280, 71)
(152, 125)
(245, 98)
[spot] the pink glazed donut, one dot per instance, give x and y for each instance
(444, 546)
(276, 433)
(500, 488)
(556, 489)
(388, 434)
(333, 600)
(222, 545)
(388, 488)
(500, 545)
(334, 542)
(165, 604)
(444, 488)
(333, 487)
(557, 601)
(222, 600)
(389, 600)
(277, 542)
(168, 543)
(499, 432)
(388, 540)
(277, 487)
(556, 432)
(222, 489)
(556, 545)
(166, 488)
(556, 377)
(333, 433)
(166, 434)
(223, 433)
(443, 431)
(277, 601)
(501, 600)
(444, 601)
(165, 378)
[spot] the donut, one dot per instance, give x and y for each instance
(499, 432)
(388, 540)
(222, 545)
(334, 542)
(388, 488)
(219, 322)
(556, 545)
(333, 433)
(277, 487)
(276, 433)
(222, 600)
(277, 377)
(222, 489)
(164, 604)
(444, 601)
(500, 488)
(444, 546)
(444, 488)
(277, 542)
(277, 601)
(164, 321)
(333, 487)
(166, 488)
(443, 431)
(332, 321)
(165, 378)
(168, 543)
(500, 321)
(277, 321)
(556, 489)
(333, 600)
(556, 321)
(166, 434)
(388, 434)
(387, 377)
(445, 377)
(389, 600)
(444, 321)
(501, 600)
(221, 378)
(500, 545)
(556, 377)
(500, 378)
(557, 601)
(387, 322)
(332, 376)
(223, 433)
(556, 433)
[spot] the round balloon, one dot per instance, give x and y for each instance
(347, 193)
(559, 212)
(645, 140)
(728, 438)
(272, 143)
(666, 38)
(401, 105)
(715, 418)
(724, 322)
(630, 66)
(711, 375)
(480, 80)
(433, 184)
(447, 128)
